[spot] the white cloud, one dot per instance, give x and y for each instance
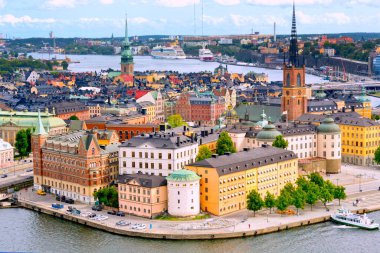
(213, 20)
(227, 2)
(2, 3)
(289, 2)
(176, 3)
(240, 20)
(338, 18)
(64, 3)
(138, 20)
(106, 1)
(13, 20)
(364, 2)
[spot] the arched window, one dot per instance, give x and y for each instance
(288, 80)
(299, 80)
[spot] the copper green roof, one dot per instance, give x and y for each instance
(183, 176)
(328, 126)
(269, 132)
(30, 119)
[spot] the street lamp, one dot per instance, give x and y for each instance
(360, 182)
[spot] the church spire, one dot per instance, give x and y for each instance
(40, 127)
(293, 49)
(126, 29)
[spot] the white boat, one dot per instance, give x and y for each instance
(205, 54)
(344, 216)
(171, 52)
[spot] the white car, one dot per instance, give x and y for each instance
(139, 226)
(101, 217)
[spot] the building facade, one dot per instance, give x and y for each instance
(6, 156)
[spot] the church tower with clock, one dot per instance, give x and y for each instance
(294, 98)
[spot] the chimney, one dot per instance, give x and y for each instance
(206, 133)
(172, 134)
(203, 133)
(178, 140)
(200, 141)
(352, 108)
(184, 128)
(212, 130)
(214, 155)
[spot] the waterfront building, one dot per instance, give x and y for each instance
(227, 180)
(6, 155)
(11, 122)
(142, 195)
(294, 98)
(72, 165)
(183, 193)
(156, 154)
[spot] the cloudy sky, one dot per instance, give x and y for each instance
(101, 18)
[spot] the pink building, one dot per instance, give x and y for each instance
(143, 195)
(6, 156)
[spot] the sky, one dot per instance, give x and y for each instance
(101, 18)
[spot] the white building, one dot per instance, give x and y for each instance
(6, 156)
(225, 41)
(156, 154)
(183, 193)
(33, 77)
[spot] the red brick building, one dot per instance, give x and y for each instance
(65, 110)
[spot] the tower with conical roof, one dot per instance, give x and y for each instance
(127, 65)
(38, 139)
(294, 98)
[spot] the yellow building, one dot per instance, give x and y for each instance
(149, 109)
(227, 180)
(360, 139)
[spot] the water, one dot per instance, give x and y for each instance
(143, 63)
(27, 231)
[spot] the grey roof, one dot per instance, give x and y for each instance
(364, 122)
(308, 117)
(245, 160)
(162, 141)
(148, 181)
(255, 111)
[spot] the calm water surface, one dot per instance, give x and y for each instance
(27, 231)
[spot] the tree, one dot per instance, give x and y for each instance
(303, 183)
(176, 120)
(254, 202)
(224, 144)
(280, 142)
(269, 201)
(107, 196)
(339, 193)
(74, 117)
(325, 195)
(204, 153)
(29, 139)
(377, 155)
(312, 194)
(299, 198)
(316, 178)
(64, 65)
(22, 143)
(282, 202)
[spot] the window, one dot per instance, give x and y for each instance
(159, 155)
(146, 154)
(206, 180)
(299, 80)
(140, 154)
(152, 155)
(133, 154)
(133, 164)
(288, 80)
(160, 166)
(169, 166)
(124, 154)
(169, 156)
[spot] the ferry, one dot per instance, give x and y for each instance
(344, 216)
(173, 51)
(205, 54)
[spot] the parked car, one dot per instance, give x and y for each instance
(123, 223)
(120, 213)
(112, 212)
(91, 215)
(63, 198)
(139, 226)
(58, 198)
(29, 170)
(41, 192)
(97, 208)
(4, 176)
(69, 201)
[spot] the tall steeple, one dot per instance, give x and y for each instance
(127, 65)
(293, 49)
(126, 29)
(40, 127)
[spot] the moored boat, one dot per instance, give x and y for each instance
(344, 216)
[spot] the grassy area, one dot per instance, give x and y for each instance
(377, 94)
(172, 218)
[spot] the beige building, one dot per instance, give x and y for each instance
(143, 195)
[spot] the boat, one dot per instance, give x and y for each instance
(205, 54)
(173, 51)
(344, 216)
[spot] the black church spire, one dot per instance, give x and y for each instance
(293, 49)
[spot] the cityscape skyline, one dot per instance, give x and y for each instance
(70, 18)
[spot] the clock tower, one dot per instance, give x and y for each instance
(294, 99)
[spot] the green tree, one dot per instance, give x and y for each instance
(204, 153)
(269, 201)
(224, 144)
(64, 65)
(325, 195)
(74, 117)
(29, 139)
(107, 196)
(282, 201)
(299, 198)
(312, 194)
(339, 193)
(377, 155)
(176, 120)
(303, 183)
(280, 142)
(254, 202)
(316, 178)
(22, 143)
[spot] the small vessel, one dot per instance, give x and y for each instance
(344, 216)
(172, 51)
(205, 54)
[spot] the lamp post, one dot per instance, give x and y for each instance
(360, 182)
